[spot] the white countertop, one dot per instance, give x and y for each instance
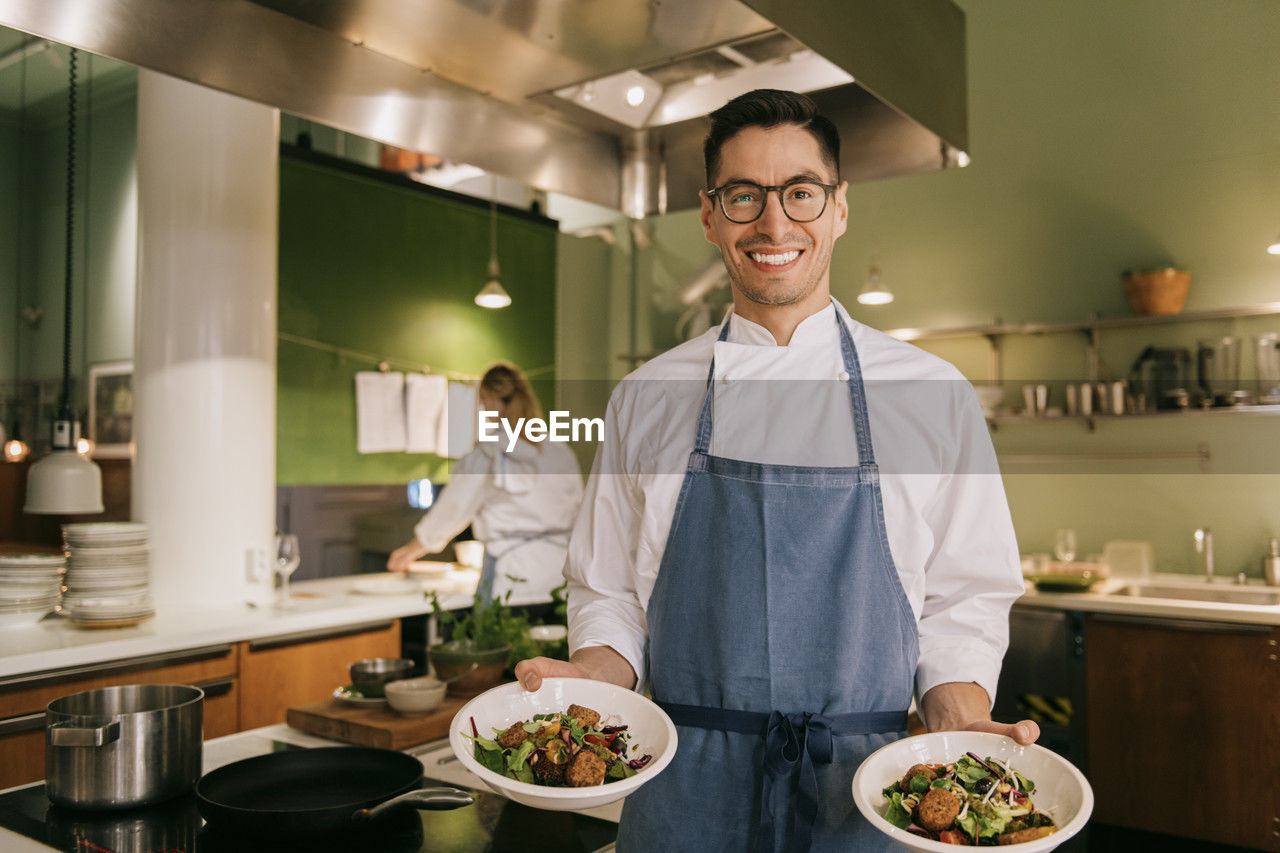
(1103, 598)
(55, 643)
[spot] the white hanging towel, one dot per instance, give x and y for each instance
(460, 432)
(426, 400)
(379, 412)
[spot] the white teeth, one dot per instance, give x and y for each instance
(777, 260)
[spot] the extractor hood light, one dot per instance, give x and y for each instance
(962, 159)
(635, 96)
(1274, 248)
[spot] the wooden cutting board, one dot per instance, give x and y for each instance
(378, 726)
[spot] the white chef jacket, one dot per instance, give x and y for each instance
(950, 533)
(505, 496)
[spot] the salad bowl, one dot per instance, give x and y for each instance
(651, 732)
(1061, 790)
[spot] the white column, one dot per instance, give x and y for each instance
(205, 348)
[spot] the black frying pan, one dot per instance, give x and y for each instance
(316, 790)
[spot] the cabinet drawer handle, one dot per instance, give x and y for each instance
(22, 723)
(62, 734)
(216, 687)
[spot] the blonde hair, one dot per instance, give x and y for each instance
(507, 383)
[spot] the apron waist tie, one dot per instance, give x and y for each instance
(788, 739)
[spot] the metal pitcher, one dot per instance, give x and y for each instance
(1218, 360)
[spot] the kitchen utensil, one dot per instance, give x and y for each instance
(1267, 350)
(1271, 563)
(1218, 364)
(371, 674)
(1162, 291)
(312, 792)
(119, 747)
(1061, 789)
(1157, 372)
(376, 726)
(470, 553)
(652, 733)
(1129, 559)
(416, 695)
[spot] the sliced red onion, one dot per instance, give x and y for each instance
(608, 730)
(984, 764)
(919, 830)
(637, 763)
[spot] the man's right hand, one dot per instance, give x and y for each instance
(600, 663)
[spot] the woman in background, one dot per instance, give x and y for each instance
(521, 503)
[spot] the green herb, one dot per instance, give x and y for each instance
(919, 784)
(488, 626)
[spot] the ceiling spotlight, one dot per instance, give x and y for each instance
(635, 96)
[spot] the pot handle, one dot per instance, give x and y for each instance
(434, 799)
(65, 734)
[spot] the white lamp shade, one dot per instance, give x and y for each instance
(64, 483)
(493, 295)
(875, 291)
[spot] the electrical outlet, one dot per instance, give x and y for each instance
(256, 569)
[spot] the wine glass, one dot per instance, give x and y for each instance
(288, 556)
(1064, 544)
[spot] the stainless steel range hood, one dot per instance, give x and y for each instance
(535, 89)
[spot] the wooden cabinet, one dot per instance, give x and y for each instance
(278, 672)
(23, 700)
(1183, 728)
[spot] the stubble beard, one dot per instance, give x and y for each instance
(789, 296)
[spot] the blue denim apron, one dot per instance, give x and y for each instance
(782, 645)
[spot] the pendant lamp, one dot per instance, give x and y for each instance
(875, 291)
(64, 482)
(493, 294)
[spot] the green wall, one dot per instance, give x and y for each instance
(1104, 136)
(379, 268)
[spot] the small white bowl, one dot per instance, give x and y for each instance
(1061, 790)
(651, 731)
(470, 553)
(548, 633)
(415, 696)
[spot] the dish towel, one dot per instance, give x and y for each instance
(459, 435)
(379, 412)
(426, 400)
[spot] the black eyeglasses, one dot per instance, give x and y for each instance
(743, 202)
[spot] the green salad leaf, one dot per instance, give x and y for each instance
(897, 815)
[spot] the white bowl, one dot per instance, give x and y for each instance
(413, 696)
(650, 728)
(989, 398)
(548, 633)
(1061, 790)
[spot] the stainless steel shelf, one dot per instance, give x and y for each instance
(1093, 325)
(1171, 413)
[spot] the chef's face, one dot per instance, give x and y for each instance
(772, 157)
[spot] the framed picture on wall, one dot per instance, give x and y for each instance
(111, 409)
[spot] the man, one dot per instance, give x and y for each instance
(779, 597)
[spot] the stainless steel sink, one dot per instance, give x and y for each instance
(1218, 594)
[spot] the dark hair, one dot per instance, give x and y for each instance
(770, 108)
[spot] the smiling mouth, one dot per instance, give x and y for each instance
(775, 259)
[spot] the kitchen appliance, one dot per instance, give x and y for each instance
(1160, 378)
(316, 791)
(492, 824)
(1268, 357)
(1218, 365)
(122, 747)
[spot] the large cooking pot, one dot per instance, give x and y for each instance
(122, 747)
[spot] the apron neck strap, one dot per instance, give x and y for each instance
(857, 393)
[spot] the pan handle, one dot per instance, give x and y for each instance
(64, 734)
(435, 799)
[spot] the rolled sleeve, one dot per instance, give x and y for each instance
(974, 575)
(458, 503)
(603, 607)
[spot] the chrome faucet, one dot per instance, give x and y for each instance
(1204, 545)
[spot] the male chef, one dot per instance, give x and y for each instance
(782, 581)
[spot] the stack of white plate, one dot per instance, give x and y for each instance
(108, 582)
(29, 587)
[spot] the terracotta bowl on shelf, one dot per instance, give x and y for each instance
(1152, 292)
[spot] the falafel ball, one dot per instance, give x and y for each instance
(937, 810)
(917, 770)
(548, 771)
(513, 736)
(586, 769)
(584, 717)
